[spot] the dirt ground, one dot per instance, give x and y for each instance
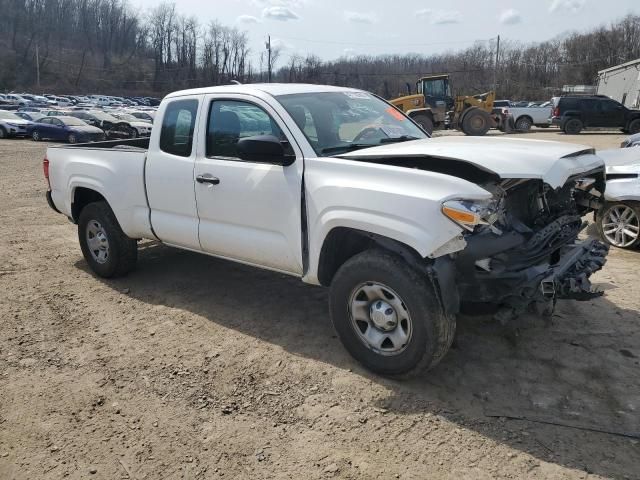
(197, 368)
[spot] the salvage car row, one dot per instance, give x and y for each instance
(76, 124)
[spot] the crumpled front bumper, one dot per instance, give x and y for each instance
(522, 274)
(570, 277)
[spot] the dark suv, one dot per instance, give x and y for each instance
(575, 113)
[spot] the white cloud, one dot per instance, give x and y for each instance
(247, 19)
(567, 5)
(360, 17)
(279, 13)
(439, 17)
(510, 17)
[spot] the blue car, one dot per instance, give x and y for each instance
(68, 129)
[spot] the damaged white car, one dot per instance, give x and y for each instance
(337, 187)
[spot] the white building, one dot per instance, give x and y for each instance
(622, 83)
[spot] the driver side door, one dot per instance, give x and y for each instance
(251, 210)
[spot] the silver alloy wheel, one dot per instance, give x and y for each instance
(35, 135)
(380, 318)
(621, 225)
(97, 241)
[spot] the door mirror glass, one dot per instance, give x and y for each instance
(263, 148)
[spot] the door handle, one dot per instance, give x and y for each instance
(207, 178)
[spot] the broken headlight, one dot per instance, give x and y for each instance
(470, 213)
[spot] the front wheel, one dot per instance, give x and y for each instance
(619, 224)
(3, 133)
(106, 248)
(634, 126)
(35, 135)
(388, 316)
(72, 138)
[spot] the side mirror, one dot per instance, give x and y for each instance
(263, 148)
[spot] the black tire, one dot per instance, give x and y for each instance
(476, 122)
(122, 250)
(634, 126)
(602, 217)
(3, 133)
(72, 138)
(524, 124)
(432, 331)
(573, 126)
(35, 135)
(424, 121)
(133, 133)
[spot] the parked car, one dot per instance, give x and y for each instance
(145, 116)
(502, 104)
(576, 113)
(401, 227)
(16, 99)
(113, 127)
(68, 129)
(11, 125)
(618, 220)
(140, 128)
(632, 141)
(526, 117)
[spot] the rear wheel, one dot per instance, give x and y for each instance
(476, 122)
(35, 135)
(573, 126)
(619, 224)
(387, 315)
(106, 248)
(634, 126)
(424, 121)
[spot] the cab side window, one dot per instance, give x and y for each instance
(231, 120)
(178, 123)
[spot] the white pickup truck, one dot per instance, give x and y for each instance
(337, 187)
(526, 117)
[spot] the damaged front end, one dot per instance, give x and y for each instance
(521, 249)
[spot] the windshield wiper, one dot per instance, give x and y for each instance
(402, 138)
(346, 148)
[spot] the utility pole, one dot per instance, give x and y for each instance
(495, 71)
(37, 67)
(268, 45)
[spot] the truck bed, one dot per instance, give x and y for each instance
(114, 168)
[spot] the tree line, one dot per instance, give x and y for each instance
(106, 46)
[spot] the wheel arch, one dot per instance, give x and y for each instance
(343, 243)
(524, 115)
(81, 197)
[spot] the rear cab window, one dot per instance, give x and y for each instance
(178, 123)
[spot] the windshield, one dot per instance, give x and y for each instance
(9, 116)
(337, 122)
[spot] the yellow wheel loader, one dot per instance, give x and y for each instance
(433, 107)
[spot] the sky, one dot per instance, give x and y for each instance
(335, 28)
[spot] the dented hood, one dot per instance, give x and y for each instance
(552, 162)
